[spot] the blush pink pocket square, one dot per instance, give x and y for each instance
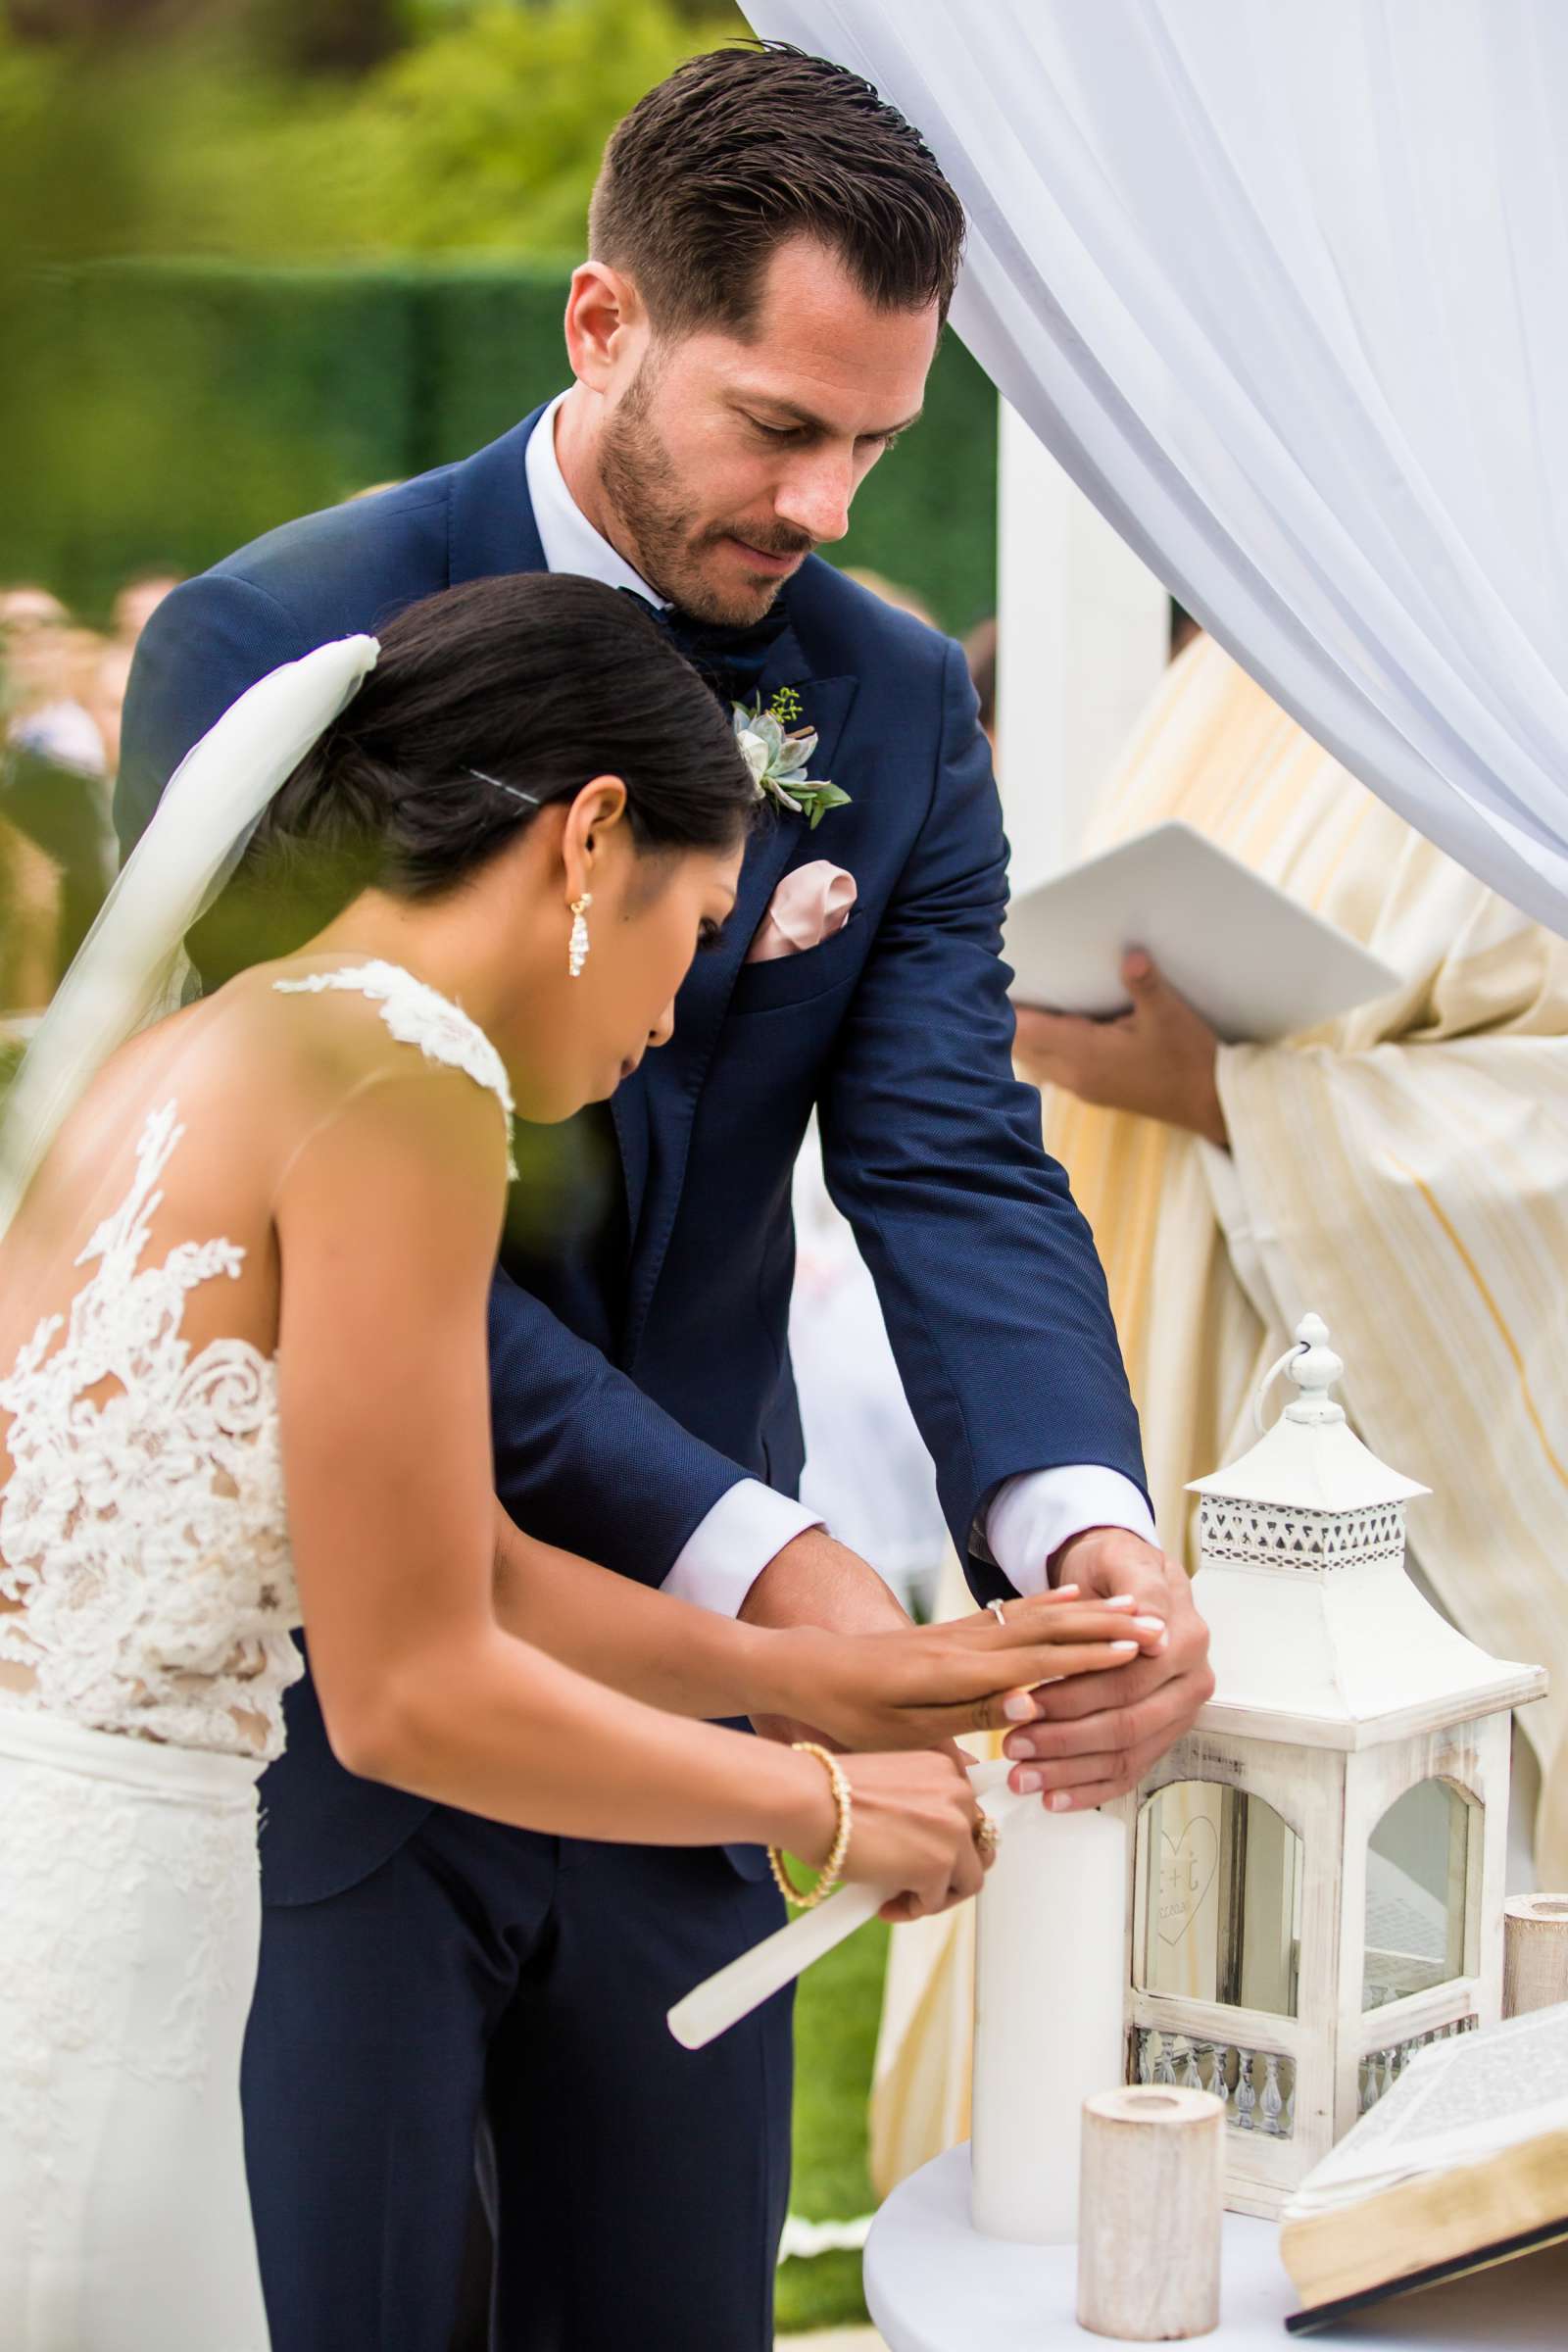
(808, 906)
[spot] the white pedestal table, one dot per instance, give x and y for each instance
(933, 2285)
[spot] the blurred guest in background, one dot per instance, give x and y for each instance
(55, 776)
(104, 697)
(26, 610)
(136, 600)
(34, 632)
(62, 692)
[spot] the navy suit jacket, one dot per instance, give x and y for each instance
(628, 1398)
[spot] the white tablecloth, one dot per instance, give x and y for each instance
(934, 2287)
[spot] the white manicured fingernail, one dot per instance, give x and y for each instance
(1120, 1600)
(1027, 1783)
(1019, 1708)
(1066, 1591)
(1062, 1802)
(1124, 1645)
(1149, 1625)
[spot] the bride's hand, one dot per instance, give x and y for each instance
(913, 1823)
(921, 1686)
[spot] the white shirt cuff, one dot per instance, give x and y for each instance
(723, 1558)
(1033, 1515)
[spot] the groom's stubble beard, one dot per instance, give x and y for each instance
(658, 523)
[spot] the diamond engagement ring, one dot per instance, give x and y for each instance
(997, 1610)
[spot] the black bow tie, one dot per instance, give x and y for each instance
(731, 660)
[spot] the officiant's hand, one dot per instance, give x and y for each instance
(1099, 1735)
(1157, 1060)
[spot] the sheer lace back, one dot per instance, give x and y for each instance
(144, 1552)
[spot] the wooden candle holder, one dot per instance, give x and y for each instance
(1534, 1952)
(1151, 2198)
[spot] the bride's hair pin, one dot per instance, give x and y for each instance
(479, 777)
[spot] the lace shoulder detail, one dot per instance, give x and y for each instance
(144, 1550)
(420, 1015)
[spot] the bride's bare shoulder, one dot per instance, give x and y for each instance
(337, 1035)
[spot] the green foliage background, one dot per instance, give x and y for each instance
(230, 293)
(170, 410)
(837, 2006)
(483, 129)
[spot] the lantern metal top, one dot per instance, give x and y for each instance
(1317, 1634)
(1312, 1459)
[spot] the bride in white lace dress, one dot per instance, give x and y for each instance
(243, 1384)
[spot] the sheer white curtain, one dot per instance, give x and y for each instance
(1284, 286)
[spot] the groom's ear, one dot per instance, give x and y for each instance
(607, 327)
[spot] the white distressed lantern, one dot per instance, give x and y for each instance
(1317, 1870)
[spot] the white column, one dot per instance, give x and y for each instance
(1083, 636)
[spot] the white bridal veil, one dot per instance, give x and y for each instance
(131, 967)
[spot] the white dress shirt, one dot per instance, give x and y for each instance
(1031, 1516)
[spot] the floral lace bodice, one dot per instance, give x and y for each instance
(143, 1538)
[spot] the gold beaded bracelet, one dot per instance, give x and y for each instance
(833, 1866)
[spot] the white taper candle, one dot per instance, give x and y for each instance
(734, 1991)
(1048, 2013)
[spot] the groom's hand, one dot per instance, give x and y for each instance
(817, 1580)
(1100, 1733)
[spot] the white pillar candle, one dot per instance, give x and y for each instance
(1047, 2030)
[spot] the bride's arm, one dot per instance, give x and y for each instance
(648, 1644)
(888, 1690)
(387, 1224)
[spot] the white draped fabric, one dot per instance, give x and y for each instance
(1282, 288)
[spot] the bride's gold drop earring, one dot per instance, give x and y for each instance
(577, 952)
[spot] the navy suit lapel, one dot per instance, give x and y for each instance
(491, 529)
(671, 1080)
(490, 525)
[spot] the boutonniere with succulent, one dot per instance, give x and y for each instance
(777, 750)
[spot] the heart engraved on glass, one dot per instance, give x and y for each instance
(1187, 1871)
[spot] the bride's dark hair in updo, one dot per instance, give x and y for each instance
(486, 699)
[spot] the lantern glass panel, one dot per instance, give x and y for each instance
(1218, 1898)
(1416, 1867)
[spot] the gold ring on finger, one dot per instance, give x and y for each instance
(987, 1835)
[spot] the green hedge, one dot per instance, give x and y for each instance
(165, 413)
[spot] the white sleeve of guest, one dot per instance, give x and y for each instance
(726, 1554)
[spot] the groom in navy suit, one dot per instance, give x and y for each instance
(773, 254)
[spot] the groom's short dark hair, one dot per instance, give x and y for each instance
(740, 148)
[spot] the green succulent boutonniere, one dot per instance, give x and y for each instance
(777, 752)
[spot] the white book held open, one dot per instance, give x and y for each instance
(1255, 964)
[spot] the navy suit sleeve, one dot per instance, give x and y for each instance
(583, 1458)
(994, 1297)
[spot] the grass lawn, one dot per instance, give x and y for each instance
(836, 2013)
